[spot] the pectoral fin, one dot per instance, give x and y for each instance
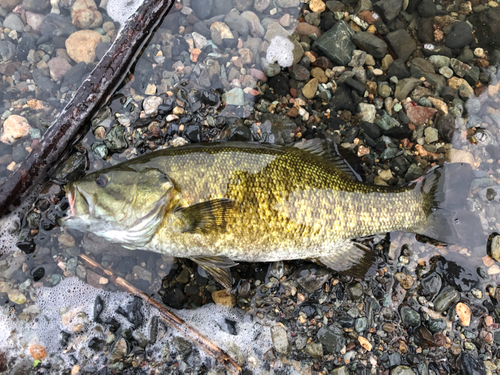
(218, 267)
(207, 216)
(353, 259)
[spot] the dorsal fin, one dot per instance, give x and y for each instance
(331, 152)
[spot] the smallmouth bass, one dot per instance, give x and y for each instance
(218, 204)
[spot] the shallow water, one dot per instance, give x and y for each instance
(229, 92)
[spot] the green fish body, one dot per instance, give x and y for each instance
(222, 203)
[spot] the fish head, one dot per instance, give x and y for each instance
(121, 204)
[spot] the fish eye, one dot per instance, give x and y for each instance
(102, 180)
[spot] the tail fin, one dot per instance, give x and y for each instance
(445, 191)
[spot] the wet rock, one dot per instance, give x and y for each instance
(58, 67)
(7, 50)
(464, 314)
(339, 371)
(314, 349)
(280, 339)
(336, 43)
(437, 325)
(388, 9)
(119, 351)
(224, 298)
(332, 338)
(309, 90)
(410, 316)
(36, 6)
(371, 44)
(402, 43)
(37, 351)
(202, 8)
(398, 69)
(235, 97)
(368, 112)
(404, 87)
(84, 14)
(460, 35)
(299, 72)
(372, 130)
(8, 5)
(151, 104)
(311, 277)
(14, 128)
(81, 45)
(431, 285)
(470, 365)
(13, 22)
(182, 346)
(427, 8)
(174, 298)
(487, 27)
(420, 115)
(115, 140)
(447, 297)
(17, 297)
(236, 22)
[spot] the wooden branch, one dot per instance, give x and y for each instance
(208, 346)
(74, 120)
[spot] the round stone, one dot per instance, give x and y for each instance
(82, 44)
(15, 127)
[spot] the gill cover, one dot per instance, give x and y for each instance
(124, 206)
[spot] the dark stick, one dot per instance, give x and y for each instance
(208, 346)
(74, 120)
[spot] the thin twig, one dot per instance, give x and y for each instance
(208, 346)
(74, 120)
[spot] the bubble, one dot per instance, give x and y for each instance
(121, 10)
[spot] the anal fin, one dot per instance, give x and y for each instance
(352, 259)
(218, 267)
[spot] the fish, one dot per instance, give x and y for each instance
(223, 203)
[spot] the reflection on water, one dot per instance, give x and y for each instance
(404, 85)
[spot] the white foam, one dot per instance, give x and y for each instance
(72, 296)
(280, 50)
(121, 10)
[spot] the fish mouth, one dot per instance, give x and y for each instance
(73, 193)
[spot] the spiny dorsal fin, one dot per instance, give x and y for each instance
(351, 258)
(207, 216)
(218, 267)
(331, 152)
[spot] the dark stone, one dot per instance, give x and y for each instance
(19, 153)
(200, 28)
(27, 42)
(202, 8)
(171, 22)
(341, 99)
(398, 69)
(410, 316)
(193, 132)
(279, 84)
(420, 66)
(299, 72)
(388, 9)
(431, 285)
(332, 339)
(336, 43)
(437, 50)
(355, 85)
(75, 76)
(36, 6)
(179, 45)
(487, 27)
(229, 326)
(7, 50)
(370, 43)
(472, 75)
(182, 346)
(98, 309)
(449, 94)
(96, 344)
(240, 133)
(57, 24)
(460, 35)
(221, 7)
(115, 139)
(371, 129)
(381, 27)
(427, 9)
(327, 21)
(402, 43)
(466, 56)
(425, 30)
(471, 365)
(44, 82)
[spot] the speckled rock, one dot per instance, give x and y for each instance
(84, 14)
(58, 67)
(81, 45)
(15, 127)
